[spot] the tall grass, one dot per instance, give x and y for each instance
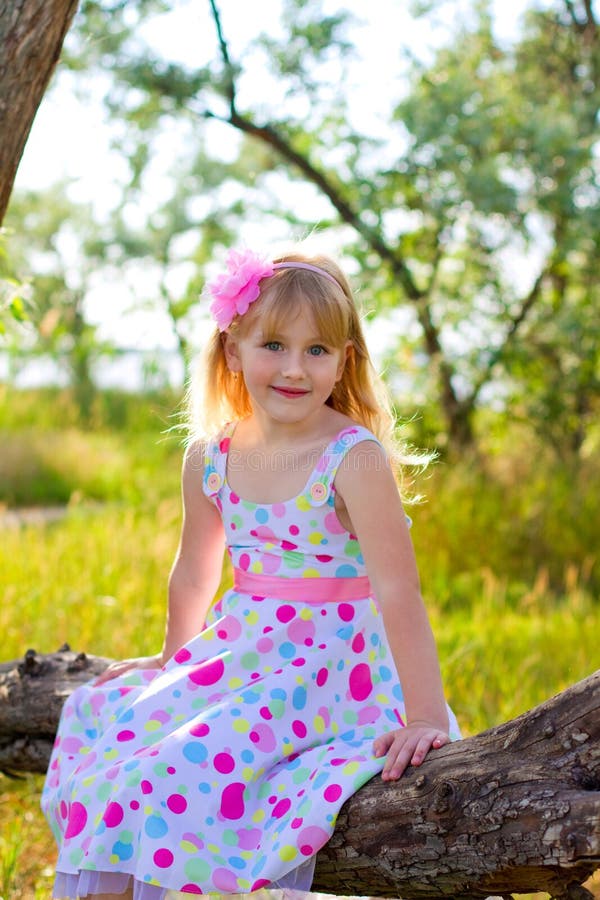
(506, 548)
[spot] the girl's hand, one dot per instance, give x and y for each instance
(122, 666)
(409, 745)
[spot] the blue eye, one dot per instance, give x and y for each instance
(273, 345)
(317, 350)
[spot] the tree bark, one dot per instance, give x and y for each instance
(516, 808)
(31, 37)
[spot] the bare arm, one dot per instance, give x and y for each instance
(196, 572)
(368, 489)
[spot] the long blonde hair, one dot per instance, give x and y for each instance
(216, 396)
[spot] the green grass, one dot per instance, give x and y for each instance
(507, 553)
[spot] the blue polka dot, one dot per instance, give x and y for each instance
(123, 851)
(321, 779)
(385, 673)
(299, 697)
(204, 787)
(236, 862)
(345, 632)
(397, 692)
(132, 764)
(126, 716)
(155, 827)
(247, 756)
(195, 752)
(287, 650)
(261, 516)
(375, 639)
(251, 696)
(279, 694)
(346, 571)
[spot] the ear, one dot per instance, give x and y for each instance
(232, 353)
(347, 351)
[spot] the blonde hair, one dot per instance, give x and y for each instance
(217, 396)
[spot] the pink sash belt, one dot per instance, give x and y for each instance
(302, 590)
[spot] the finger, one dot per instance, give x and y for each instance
(441, 740)
(398, 759)
(383, 744)
(423, 747)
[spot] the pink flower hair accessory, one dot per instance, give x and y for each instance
(234, 291)
(238, 287)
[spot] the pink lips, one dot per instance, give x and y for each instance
(290, 392)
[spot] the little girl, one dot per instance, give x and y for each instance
(219, 766)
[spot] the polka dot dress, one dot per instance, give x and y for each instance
(225, 770)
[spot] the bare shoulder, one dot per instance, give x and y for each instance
(366, 456)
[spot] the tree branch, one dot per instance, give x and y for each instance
(516, 808)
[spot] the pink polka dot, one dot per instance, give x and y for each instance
(281, 808)
(249, 838)
(360, 682)
(77, 818)
(332, 793)
(171, 770)
(333, 524)
(288, 545)
(262, 735)
(146, 787)
(368, 714)
(311, 839)
(229, 628)
(244, 562)
(224, 880)
(177, 803)
(182, 655)
(125, 735)
(191, 889)
(322, 676)
(358, 644)
(266, 712)
(232, 801)
(293, 529)
(234, 497)
(285, 613)
(163, 858)
(209, 672)
(300, 631)
(200, 730)
(224, 763)
(134, 804)
(299, 728)
(278, 510)
(262, 882)
(264, 645)
(324, 558)
(346, 612)
(113, 815)
(296, 823)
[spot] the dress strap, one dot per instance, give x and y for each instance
(319, 486)
(215, 461)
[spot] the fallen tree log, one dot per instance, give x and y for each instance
(514, 809)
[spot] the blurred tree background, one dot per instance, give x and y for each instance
(471, 218)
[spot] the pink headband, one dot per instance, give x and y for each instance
(234, 291)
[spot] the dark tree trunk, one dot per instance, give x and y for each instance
(516, 808)
(31, 37)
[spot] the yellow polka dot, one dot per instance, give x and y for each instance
(111, 754)
(302, 503)
(257, 567)
(306, 614)
(152, 725)
(350, 768)
(234, 683)
(85, 750)
(382, 698)
(188, 847)
(113, 858)
(241, 726)
(88, 781)
(214, 848)
(259, 815)
(319, 724)
(252, 617)
(311, 573)
(247, 854)
(335, 728)
(315, 537)
(287, 749)
(148, 810)
(247, 773)
(288, 853)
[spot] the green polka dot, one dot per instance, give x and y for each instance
(350, 717)
(230, 838)
(352, 548)
(197, 870)
(160, 769)
(105, 790)
(250, 660)
(277, 708)
(293, 559)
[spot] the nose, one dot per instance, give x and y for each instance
(293, 365)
